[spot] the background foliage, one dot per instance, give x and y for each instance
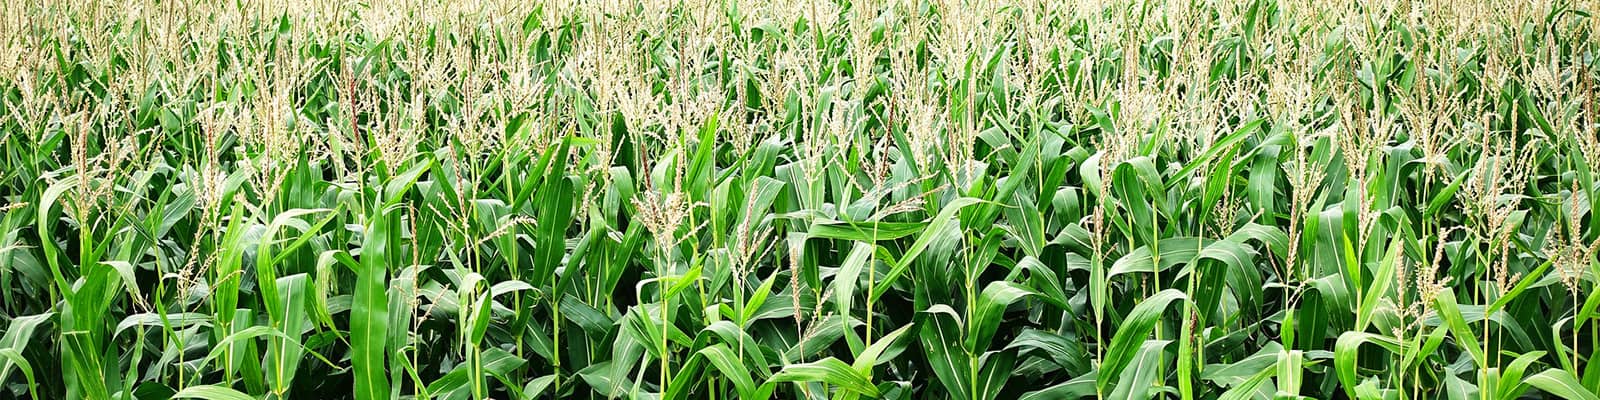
(821, 199)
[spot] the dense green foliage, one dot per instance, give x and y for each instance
(1244, 199)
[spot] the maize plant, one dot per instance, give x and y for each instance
(818, 199)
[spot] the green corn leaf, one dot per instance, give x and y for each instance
(1132, 334)
(941, 345)
(939, 229)
(369, 322)
(1561, 384)
(828, 370)
(209, 392)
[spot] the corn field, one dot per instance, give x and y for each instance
(819, 199)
